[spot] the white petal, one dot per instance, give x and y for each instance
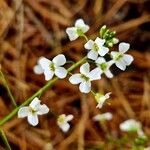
(92, 55)
(65, 127)
(100, 60)
(43, 109)
(48, 74)
(69, 117)
(97, 117)
(108, 74)
(85, 87)
(121, 65)
(23, 112)
(75, 79)
(123, 47)
(108, 116)
(128, 59)
(99, 41)
(89, 44)
(85, 68)
(95, 74)
(80, 24)
(59, 60)
(38, 69)
(35, 103)
(114, 54)
(72, 33)
(103, 51)
(44, 62)
(107, 95)
(33, 119)
(61, 72)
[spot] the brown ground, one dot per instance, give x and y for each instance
(33, 28)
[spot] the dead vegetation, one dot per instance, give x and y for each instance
(33, 28)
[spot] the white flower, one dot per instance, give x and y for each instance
(63, 120)
(32, 111)
(52, 67)
(85, 78)
(132, 125)
(79, 30)
(105, 116)
(100, 98)
(122, 60)
(104, 66)
(96, 47)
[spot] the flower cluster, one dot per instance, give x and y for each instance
(96, 51)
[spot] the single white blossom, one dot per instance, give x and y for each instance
(104, 66)
(85, 77)
(101, 117)
(100, 99)
(122, 60)
(79, 30)
(63, 120)
(32, 111)
(96, 48)
(52, 67)
(132, 125)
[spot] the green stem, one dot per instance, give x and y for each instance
(39, 92)
(4, 138)
(8, 89)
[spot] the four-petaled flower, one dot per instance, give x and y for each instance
(102, 117)
(100, 99)
(96, 48)
(52, 67)
(85, 77)
(32, 111)
(79, 30)
(122, 60)
(63, 120)
(104, 66)
(132, 125)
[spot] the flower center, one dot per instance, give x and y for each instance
(80, 32)
(61, 119)
(52, 67)
(95, 47)
(32, 110)
(98, 97)
(85, 77)
(103, 66)
(119, 56)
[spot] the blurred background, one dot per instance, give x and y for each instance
(33, 28)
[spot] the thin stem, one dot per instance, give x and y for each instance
(4, 138)
(39, 92)
(4, 80)
(85, 37)
(93, 92)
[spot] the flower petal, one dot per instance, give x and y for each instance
(92, 55)
(95, 74)
(33, 119)
(69, 118)
(123, 47)
(44, 62)
(85, 87)
(128, 59)
(108, 74)
(43, 109)
(48, 74)
(99, 41)
(80, 24)
(85, 68)
(75, 79)
(35, 103)
(103, 51)
(38, 69)
(61, 72)
(89, 44)
(59, 60)
(23, 112)
(100, 60)
(72, 33)
(65, 127)
(121, 65)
